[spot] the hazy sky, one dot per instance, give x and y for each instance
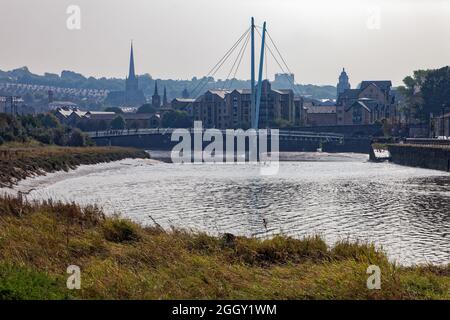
(378, 39)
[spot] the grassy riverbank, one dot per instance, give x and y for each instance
(19, 161)
(122, 260)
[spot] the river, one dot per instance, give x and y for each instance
(339, 196)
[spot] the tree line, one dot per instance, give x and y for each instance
(426, 93)
(44, 128)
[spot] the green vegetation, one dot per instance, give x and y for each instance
(24, 160)
(122, 260)
(436, 92)
(19, 283)
(282, 123)
(118, 123)
(426, 92)
(380, 146)
(33, 145)
(44, 128)
(176, 119)
(147, 108)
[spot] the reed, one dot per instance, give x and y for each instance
(120, 259)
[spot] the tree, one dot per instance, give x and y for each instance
(11, 128)
(102, 125)
(146, 108)
(114, 109)
(426, 92)
(49, 120)
(176, 119)
(281, 123)
(77, 138)
(436, 92)
(42, 135)
(413, 106)
(118, 123)
(59, 136)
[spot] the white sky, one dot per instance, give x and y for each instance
(180, 39)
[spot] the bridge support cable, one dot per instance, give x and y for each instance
(237, 63)
(241, 43)
(200, 86)
(294, 87)
(283, 66)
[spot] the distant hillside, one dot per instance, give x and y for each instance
(67, 79)
(70, 79)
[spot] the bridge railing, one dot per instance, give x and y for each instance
(429, 141)
(127, 132)
(164, 131)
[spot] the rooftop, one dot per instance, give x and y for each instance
(321, 109)
(187, 100)
(382, 84)
(220, 92)
(349, 94)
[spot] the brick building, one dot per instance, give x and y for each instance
(373, 101)
(232, 108)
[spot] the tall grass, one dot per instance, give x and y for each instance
(122, 260)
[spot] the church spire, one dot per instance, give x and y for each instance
(156, 89)
(165, 97)
(131, 74)
(156, 99)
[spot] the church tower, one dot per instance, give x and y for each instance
(133, 96)
(343, 83)
(165, 102)
(131, 83)
(156, 98)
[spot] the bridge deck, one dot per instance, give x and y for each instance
(283, 134)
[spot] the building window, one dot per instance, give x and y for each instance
(357, 116)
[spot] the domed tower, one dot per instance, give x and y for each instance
(343, 83)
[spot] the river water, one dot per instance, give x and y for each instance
(341, 196)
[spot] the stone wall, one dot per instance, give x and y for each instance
(423, 156)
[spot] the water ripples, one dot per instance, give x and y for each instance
(404, 210)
